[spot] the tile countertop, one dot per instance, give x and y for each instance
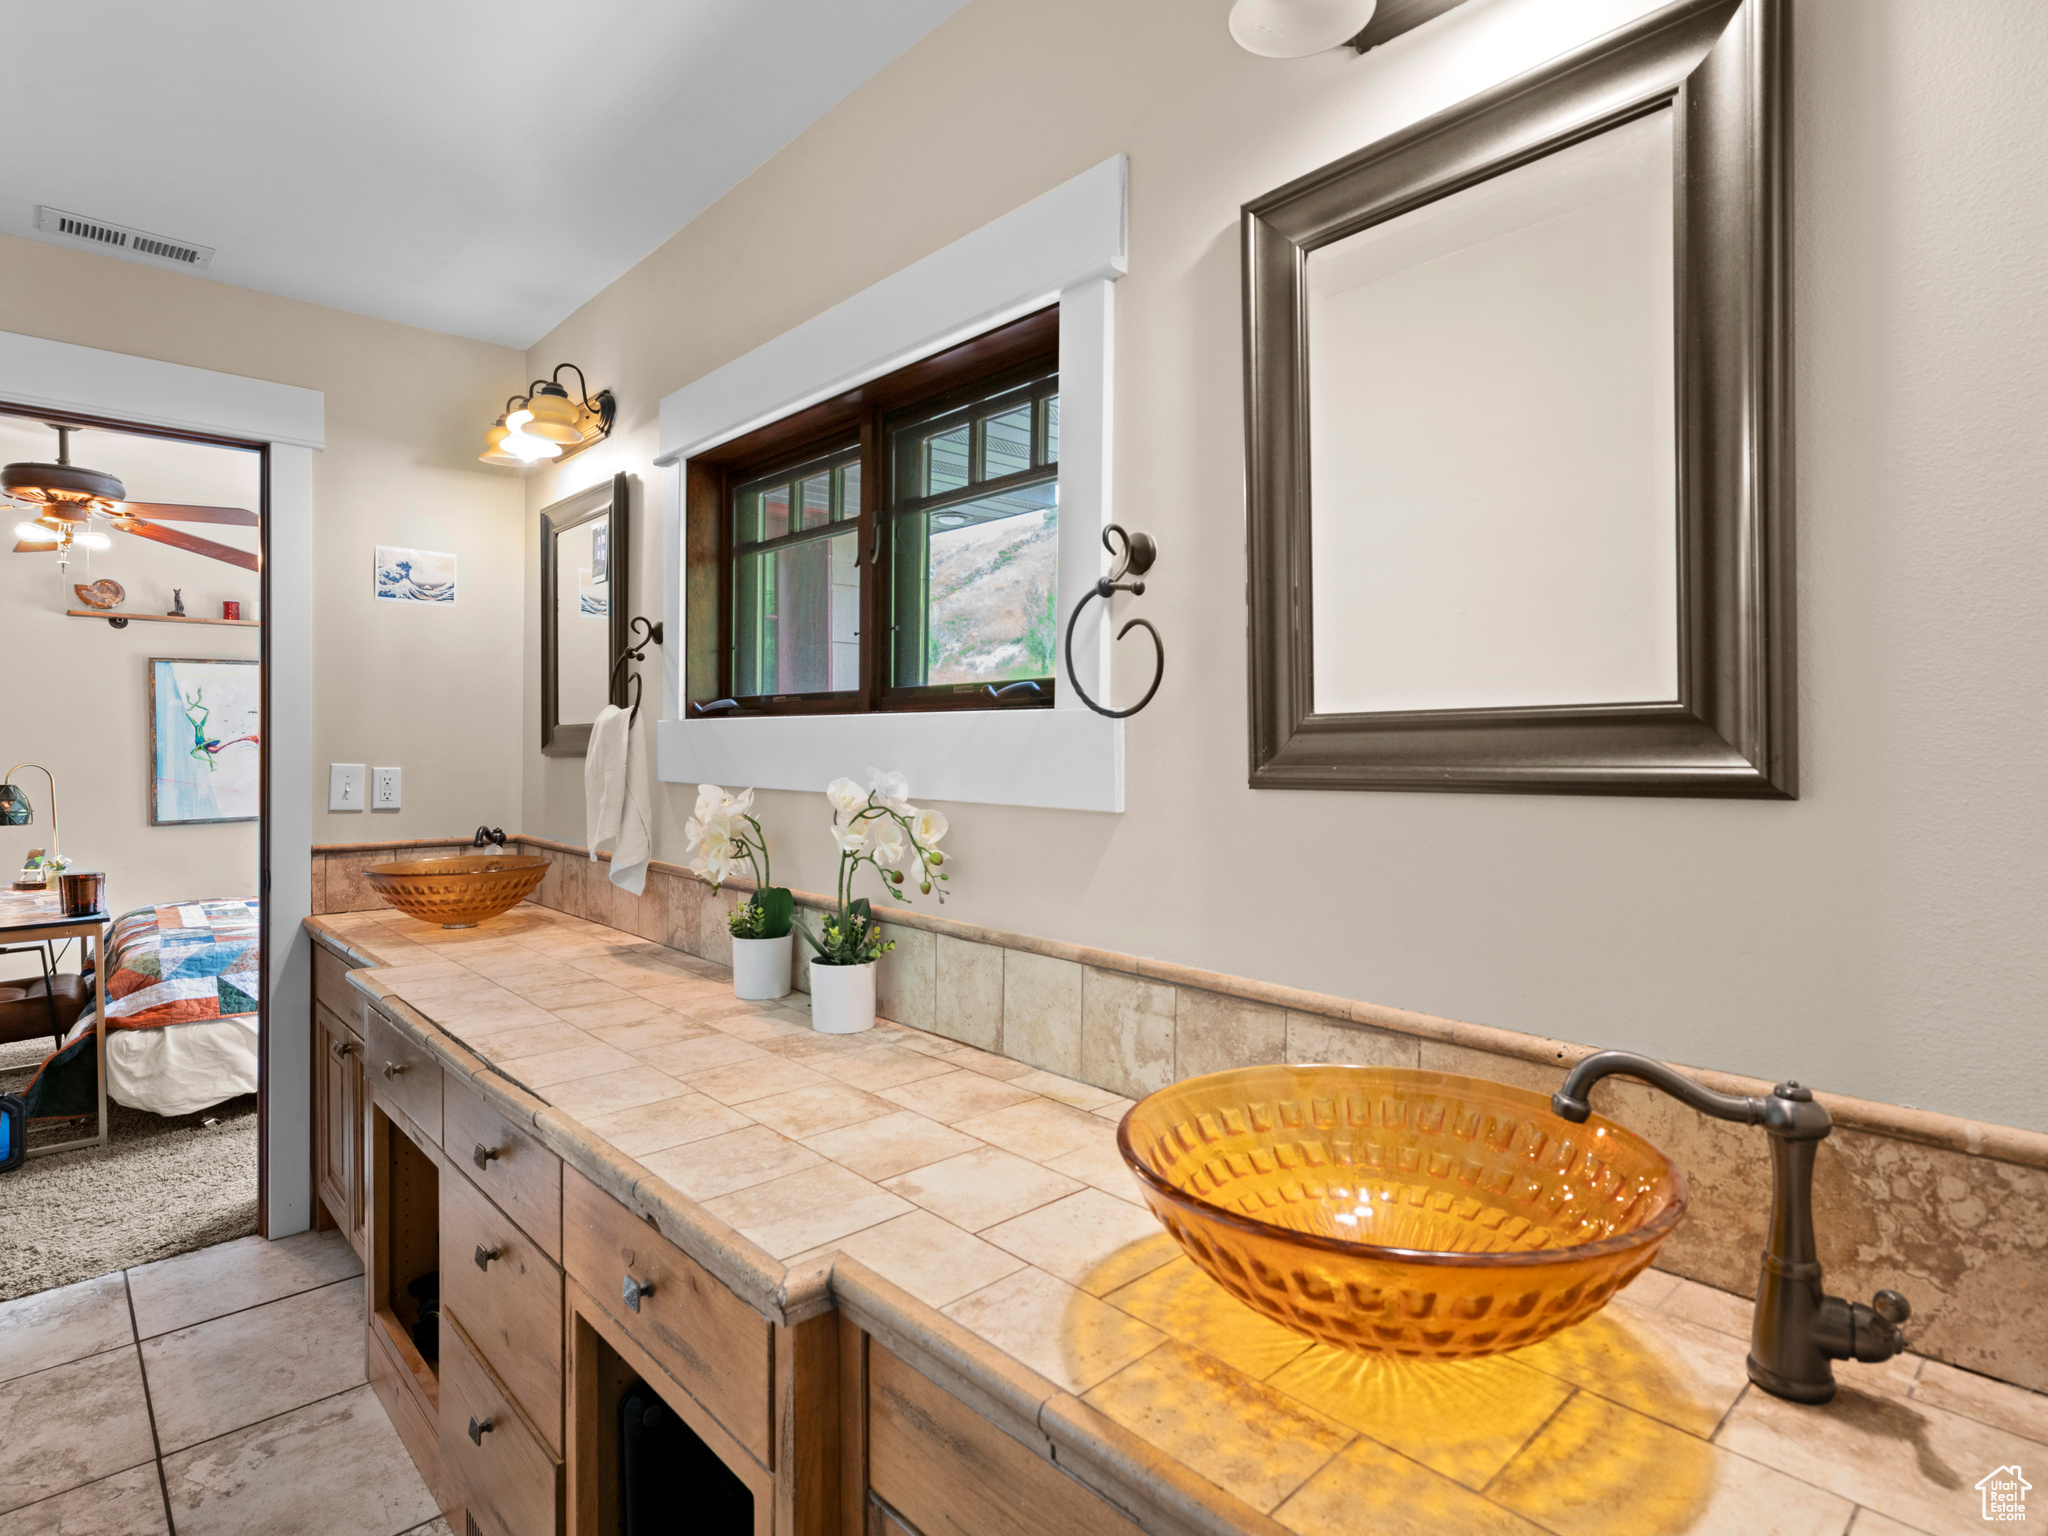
(973, 1214)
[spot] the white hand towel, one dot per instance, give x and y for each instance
(604, 777)
(615, 795)
(636, 836)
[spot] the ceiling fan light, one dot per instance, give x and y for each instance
(1294, 29)
(35, 533)
(92, 540)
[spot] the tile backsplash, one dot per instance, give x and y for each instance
(1953, 1214)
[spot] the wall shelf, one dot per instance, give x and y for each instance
(119, 617)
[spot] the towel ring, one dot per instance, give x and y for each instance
(1134, 559)
(633, 653)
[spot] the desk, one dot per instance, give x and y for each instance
(33, 916)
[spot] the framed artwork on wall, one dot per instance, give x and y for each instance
(204, 744)
(414, 575)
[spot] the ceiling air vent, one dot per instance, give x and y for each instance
(120, 240)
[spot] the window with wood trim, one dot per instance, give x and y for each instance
(894, 548)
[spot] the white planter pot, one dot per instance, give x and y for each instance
(842, 998)
(760, 968)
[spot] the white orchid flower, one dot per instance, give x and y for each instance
(889, 844)
(892, 788)
(846, 796)
(927, 827)
(709, 798)
(852, 836)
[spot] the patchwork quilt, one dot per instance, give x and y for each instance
(189, 963)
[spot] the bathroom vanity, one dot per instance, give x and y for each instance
(868, 1353)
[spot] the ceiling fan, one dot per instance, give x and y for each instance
(67, 497)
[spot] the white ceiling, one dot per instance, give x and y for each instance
(475, 168)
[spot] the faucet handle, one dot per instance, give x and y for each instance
(1892, 1307)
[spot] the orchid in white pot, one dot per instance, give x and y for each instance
(725, 837)
(877, 826)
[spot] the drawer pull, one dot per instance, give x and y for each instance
(632, 1290)
(396, 1068)
(485, 1255)
(484, 1155)
(478, 1428)
(340, 1048)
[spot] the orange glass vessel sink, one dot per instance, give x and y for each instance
(1397, 1212)
(457, 893)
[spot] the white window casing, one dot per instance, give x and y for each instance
(1066, 247)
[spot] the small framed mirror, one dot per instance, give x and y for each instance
(582, 626)
(1518, 427)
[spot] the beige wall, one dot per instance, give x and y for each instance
(1883, 936)
(434, 691)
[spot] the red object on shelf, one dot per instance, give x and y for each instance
(231, 610)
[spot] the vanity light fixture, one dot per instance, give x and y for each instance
(547, 422)
(1294, 29)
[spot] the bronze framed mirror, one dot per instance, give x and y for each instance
(1517, 429)
(582, 612)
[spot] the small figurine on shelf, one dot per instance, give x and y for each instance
(177, 608)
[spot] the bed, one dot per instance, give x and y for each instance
(183, 982)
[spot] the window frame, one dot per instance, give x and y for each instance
(1022, 350)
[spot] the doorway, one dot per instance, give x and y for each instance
(144, 717)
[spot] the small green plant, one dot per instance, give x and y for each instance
(725, 837)
(878, 826)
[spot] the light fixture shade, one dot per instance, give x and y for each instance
(1294, 29)
(92, 540)
(36, 533)
(15, 811)
(556, 418)
(530, 449)
(513, 448)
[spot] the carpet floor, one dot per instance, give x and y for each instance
(162, 1187)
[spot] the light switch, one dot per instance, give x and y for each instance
(344, 786)
(384, 784)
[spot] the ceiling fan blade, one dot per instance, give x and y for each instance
(26, 548)
(189, 541)
(180, 512)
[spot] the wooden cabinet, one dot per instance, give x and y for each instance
(404, 1072)
(940, 1467)
(719, 1348)
(509, 1296)
(338, 1122)
(509, 1483)
(521, 1177)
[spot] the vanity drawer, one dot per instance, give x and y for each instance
(523, 1178)
(330, 986)
(713, 1343)
(508, 1482)
(401, 1072)
(511, 1302)
(943, 1467)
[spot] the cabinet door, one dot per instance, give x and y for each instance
(333, 1174)
(357, 1176)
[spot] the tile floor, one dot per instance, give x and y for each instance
(213, 1394)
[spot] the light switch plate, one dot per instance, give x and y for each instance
(384, 788)
(344, 786)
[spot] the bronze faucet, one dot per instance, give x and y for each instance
(1798, 1329)
(488, 836)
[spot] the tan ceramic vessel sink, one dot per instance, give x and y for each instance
(457, 893)
(1398, 1212)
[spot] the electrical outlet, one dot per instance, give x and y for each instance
(384, 783)
(344, 786)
